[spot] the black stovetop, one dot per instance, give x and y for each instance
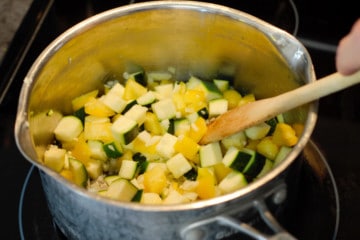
(319, 26)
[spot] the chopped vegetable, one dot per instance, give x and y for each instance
(139, 140)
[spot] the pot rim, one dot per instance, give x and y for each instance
(21, 121)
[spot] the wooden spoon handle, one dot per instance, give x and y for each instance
(239, 118)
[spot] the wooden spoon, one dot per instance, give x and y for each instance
(242, 117)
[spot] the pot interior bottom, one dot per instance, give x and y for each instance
(312, 214)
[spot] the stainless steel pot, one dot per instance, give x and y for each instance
(191, 36)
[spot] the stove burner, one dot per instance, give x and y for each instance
(314, 213)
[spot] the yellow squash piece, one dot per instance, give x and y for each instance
(206, 184)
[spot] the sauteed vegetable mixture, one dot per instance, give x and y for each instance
(139, 141)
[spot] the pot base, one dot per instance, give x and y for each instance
(317, 197)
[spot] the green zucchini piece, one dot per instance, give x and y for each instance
(129, 105)
(164, 109)
(255, 165)
(125, 130)
(210, 89)
(258, 131)
(142, 162)
(210, 154)
(109, 179)
(97, 150)
(137, 113)
(238, 140)
(128, 169)
(137, 196)
(68, 129)
(54, 158)
(159, 76)
(267, 168)
(181, 126)
(78, 170)
(217, 106)
(273, 122)
(178, 165)
(140, 77)
(191, 175)
(80, 113)
(283, 152)
(164, 91)
(204, 113)
(221, 84)
(147, 99)
(238, 159)
(113, 150)
(165, 147)
(233, 181)
(94, 168)
(113, 98)
(122, 190)
(171, 127)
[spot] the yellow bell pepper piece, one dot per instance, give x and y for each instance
(140, 146)
(221, 171)
(198, 129)
(178, 97)
(67, 174)
(246, 99)
(194, 100)
(80, 150)
(152, 124)
(98, 131)
(233, 97)
(187, 146)
(81, 100)
(133, 89)
(97, 108)
(299, 128)
(155, 180)
(267, 148)
(284, 135)
(251, 144)
(206, 183)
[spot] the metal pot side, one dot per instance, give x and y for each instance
(190, 36)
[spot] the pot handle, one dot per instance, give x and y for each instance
(189, 232)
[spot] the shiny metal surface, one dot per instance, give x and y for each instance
(155, 35)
